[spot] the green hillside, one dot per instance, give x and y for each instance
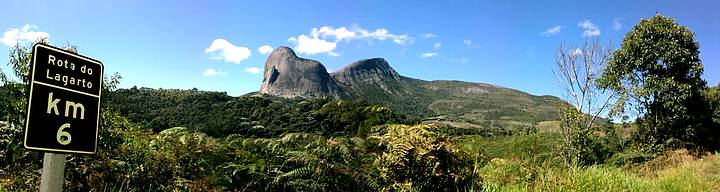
(478, 104)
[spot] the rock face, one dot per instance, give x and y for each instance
(287, 75)
(369, 73)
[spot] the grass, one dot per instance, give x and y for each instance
(534, 148)
(699, 174)
(696, 175)
(527, 163)
(598, 178)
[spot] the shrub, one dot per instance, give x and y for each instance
(422, 160)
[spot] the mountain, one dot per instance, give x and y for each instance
(452, 103)
(373, 73)
(287, 75)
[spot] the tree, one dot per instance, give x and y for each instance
(14, 92)
(713, 96)
(657, 73)
(576, 70)
(13, 99)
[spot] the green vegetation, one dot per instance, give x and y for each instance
(658, 70)
(178, 159)
(475, 104)
(218, 114)
(420, 160)
(530, 163)
(488, 105)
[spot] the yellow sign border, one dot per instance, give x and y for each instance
(32, 85)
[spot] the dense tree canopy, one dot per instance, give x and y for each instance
(217, 114)
(657, 71)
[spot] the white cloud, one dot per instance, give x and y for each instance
(339, 34)
(221, 49)
(265, 49)
(326, 38)
(383, 34)
(616, 24)
(428, 55)
(253, 70)
(553, 30)
(428, 35)
(310, 46)
(590, 28)
(27, 33)
(437, 45)
(212, 72)
(467, 42)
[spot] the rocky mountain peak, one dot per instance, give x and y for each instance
(359, 70)
(366, 74)
(287, 75)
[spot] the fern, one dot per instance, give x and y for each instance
(296, 173)
(301, 157)
(418, 159)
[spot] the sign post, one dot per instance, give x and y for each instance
(63, 109)
(53, 172)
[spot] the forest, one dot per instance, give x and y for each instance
(193, 140)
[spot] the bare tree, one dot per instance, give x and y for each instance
(576, 70)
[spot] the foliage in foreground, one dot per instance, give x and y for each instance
(511, 169)
(418, 159)
(694, 175)
(179, 159)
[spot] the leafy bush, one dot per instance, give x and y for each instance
(421, 160)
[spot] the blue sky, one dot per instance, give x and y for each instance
(215, 45)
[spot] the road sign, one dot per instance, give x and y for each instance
(64, 105)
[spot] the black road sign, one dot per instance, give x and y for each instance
(64, 105)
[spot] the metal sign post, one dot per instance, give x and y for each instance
(53, 172)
